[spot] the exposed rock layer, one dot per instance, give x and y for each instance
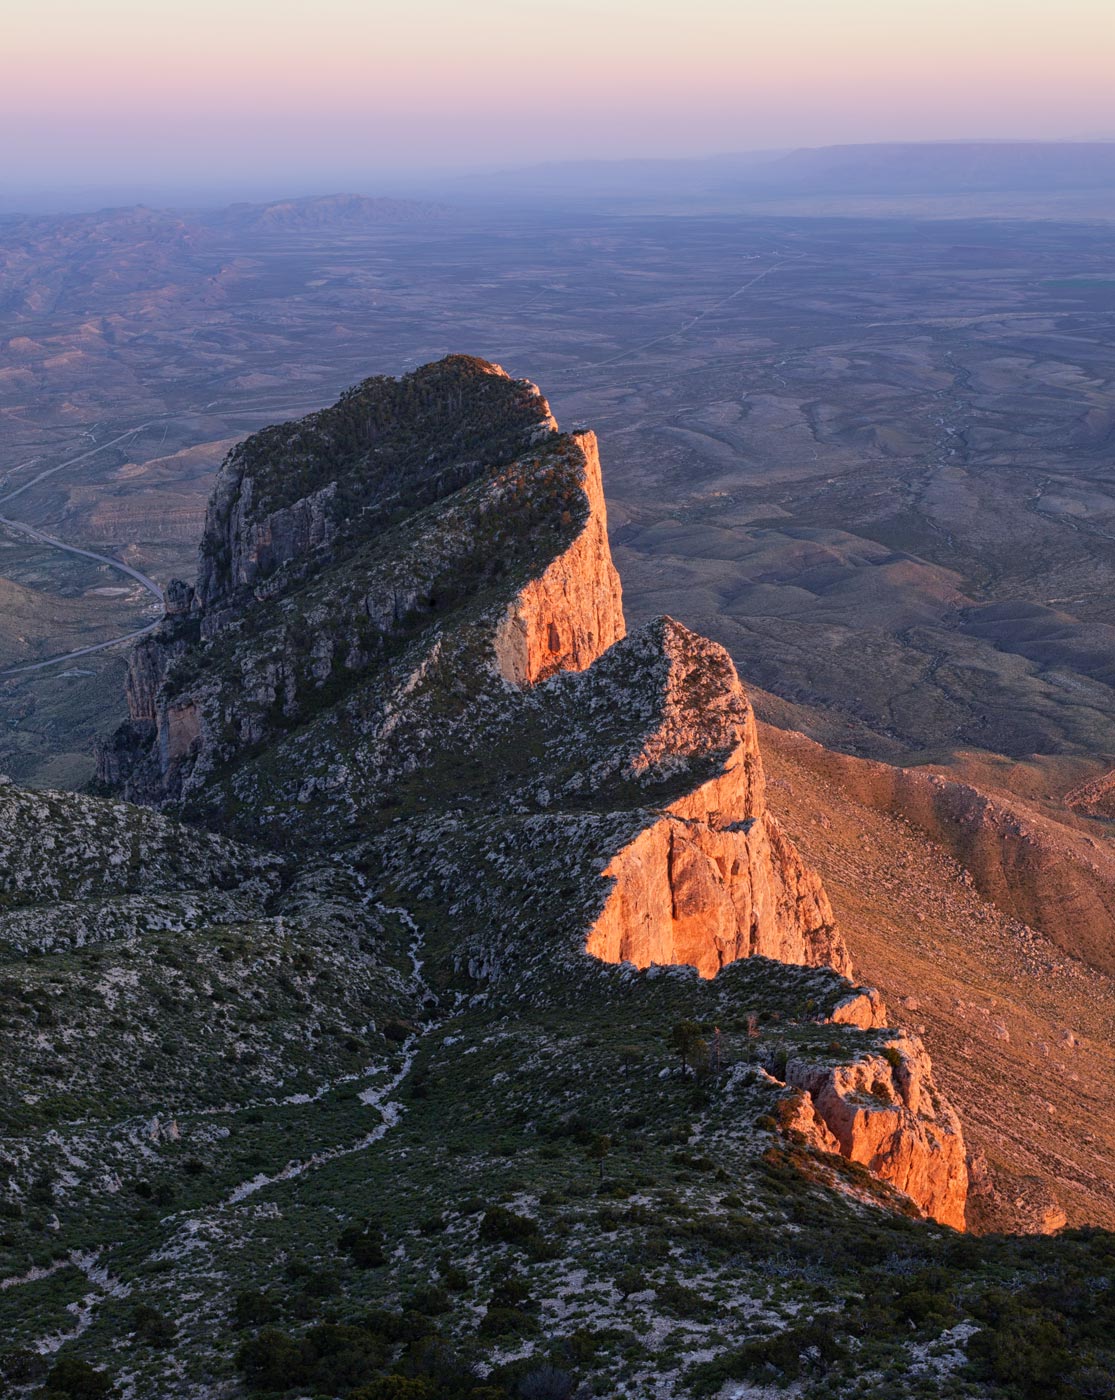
(565, 618)
(714, 878)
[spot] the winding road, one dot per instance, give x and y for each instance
(29, 532)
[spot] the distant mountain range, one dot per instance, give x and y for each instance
(904, 169)
(945, 167)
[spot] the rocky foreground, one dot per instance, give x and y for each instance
(463, 1022)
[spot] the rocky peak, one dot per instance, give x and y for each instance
(292, 493)
(408, 631)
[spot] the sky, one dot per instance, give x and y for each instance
(180, 91)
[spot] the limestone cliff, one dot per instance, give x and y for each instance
(572, 612)
(884, 1111)
(322, 547)
(714, 878)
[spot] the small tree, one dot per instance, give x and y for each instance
(75, 1378)
(684, 1038)
(629, 1055)
(598, 1150)
(631, 1280)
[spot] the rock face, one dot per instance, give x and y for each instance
(290, 504)
(564, 619)
(714, 878)
(396, 640)
(885, 1112)
(288, 495)
(258, 548)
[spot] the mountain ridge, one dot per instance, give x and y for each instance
(345, 1104)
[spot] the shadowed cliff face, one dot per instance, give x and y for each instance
(443, 674)
(289, 496)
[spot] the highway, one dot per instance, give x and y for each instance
(29, 532)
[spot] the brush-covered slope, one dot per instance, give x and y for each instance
(492, 1040)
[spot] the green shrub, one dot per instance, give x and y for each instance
(682, 1301)
(504, 1322)
(77, 1380)
(254, 1308)
(504, 1226)
(809, 1349)
(151, 1326)
(363, 1245)
(395, 1387)
(273, 1361)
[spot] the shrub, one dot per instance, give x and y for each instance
(272, 1361)
(512, 1292)
(784, 1357)
(254, 1308)
(630, 1281)
(504, 1226)
(682, 1301)
(150, 1326)
(1023, 1352)
(546, 1383)
(364, 1246)
(395, 1387)
(455, 1279)
(77, 1380)
(502, 1322)
(428, 1298)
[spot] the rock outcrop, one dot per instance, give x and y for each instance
(714, 878)
(884, 1111)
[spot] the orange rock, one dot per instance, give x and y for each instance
(890, 1118)
(564, 619)
(714, 878)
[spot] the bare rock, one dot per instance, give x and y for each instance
(565, 618)
(886, 1113)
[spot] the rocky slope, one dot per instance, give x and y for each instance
(1017, 1014)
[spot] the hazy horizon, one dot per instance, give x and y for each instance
(249, 95)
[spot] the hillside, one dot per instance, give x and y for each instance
(456, 1017)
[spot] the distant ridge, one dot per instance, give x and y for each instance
(1054, 172)
(331, 211)
(941, 167)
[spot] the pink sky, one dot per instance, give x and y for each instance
(159, 90)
